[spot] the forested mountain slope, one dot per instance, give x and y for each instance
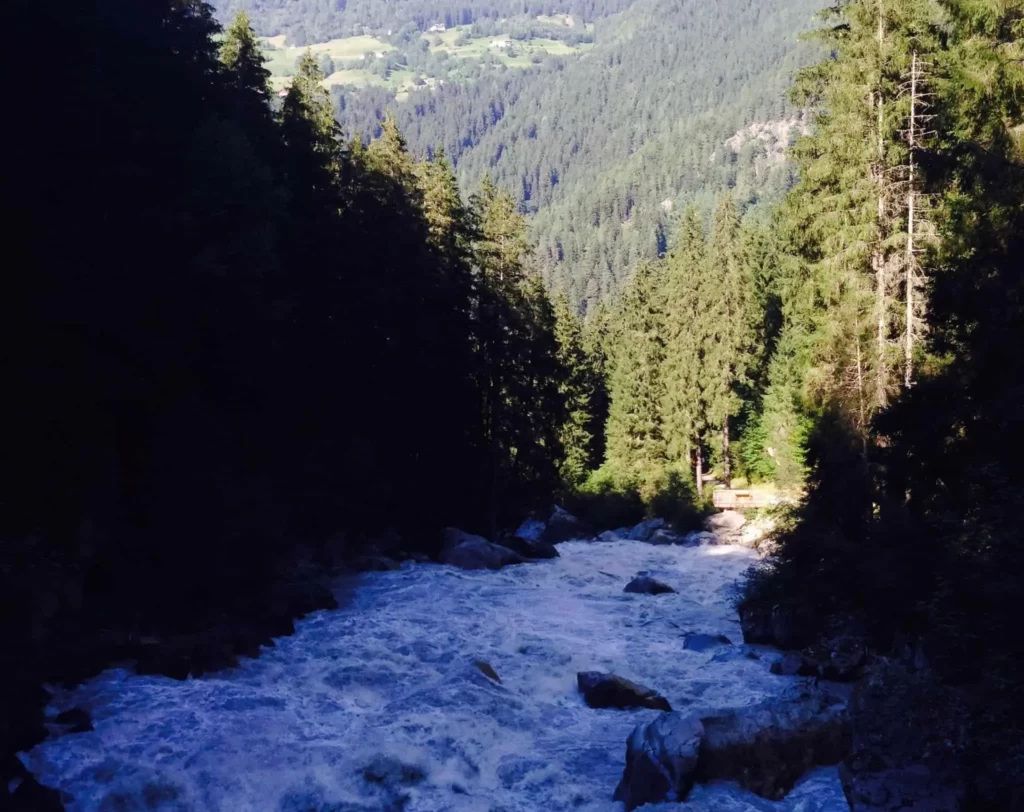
(605, 147)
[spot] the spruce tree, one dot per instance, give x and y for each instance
(687, 331)
(577, 390)
(636, 444)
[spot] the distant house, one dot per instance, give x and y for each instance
(379, 54)
(501, 43)
(437, 28)
(282, 92)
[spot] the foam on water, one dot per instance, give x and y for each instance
(391, 676)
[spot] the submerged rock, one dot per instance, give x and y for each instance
(766, 748)
(609, 535)
(646, 529)
(645, 585)
(700, 537)
(487, 670)
(563, 526)
(602, 690)
(661, 760)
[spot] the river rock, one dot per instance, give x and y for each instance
(563, 526)
(645, 585)
(609, 535)
(646, 529)
(529, 548)
(699, 538)
(705, 642)
(477, 553)
(374, 563)
(532, 529)
(612, 691)
(661, 759)
(767, 747)
(665, 536)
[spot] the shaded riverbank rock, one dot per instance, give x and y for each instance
(765, 748)
(910, 743)
(788, 626)
(563, 526)
(661, 759)
(704, 642)
(645, 585)
(31, 796)
(794, 665)
(75, 720)
(645, 530)
(612, 691)
(529, 548)
(374, 563)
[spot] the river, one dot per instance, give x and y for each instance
(389, 677)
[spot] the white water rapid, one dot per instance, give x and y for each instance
(390, 675)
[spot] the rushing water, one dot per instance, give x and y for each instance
(390, 678)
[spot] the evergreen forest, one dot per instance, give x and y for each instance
(245, 325)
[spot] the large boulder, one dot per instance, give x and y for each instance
(645, 585)
(646, 529)
(612, 691)
(767, 747)
(477, 553)
(661, 760)
(725, 523)
(532, 529)
(563, 526)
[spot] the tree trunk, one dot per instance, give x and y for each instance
(726, 461)
(908, 352)
(699, 473)
(878, 257)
